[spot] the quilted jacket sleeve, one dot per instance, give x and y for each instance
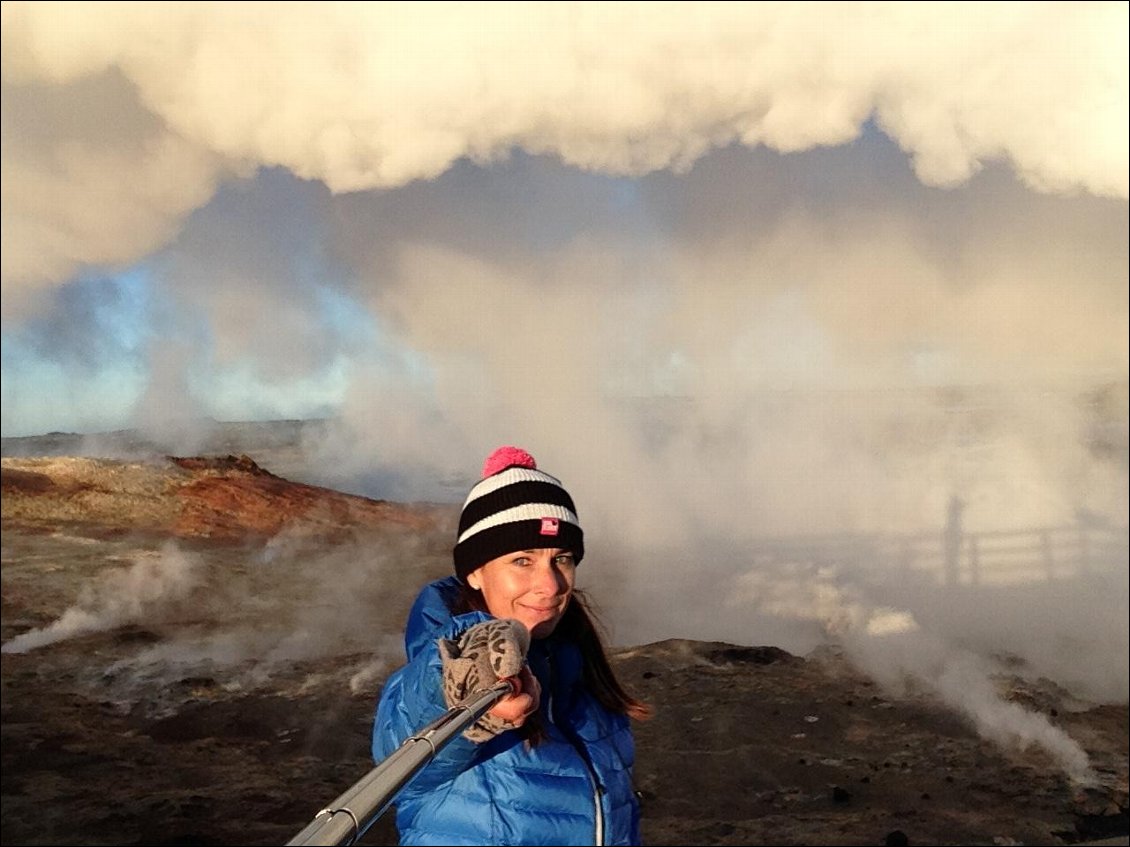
(413, 698)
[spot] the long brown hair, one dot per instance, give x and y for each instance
(581, 625)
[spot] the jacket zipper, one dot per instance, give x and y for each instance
(597, 791)
(599, 808)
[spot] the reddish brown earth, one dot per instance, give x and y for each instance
(226, 498)
(231, 702)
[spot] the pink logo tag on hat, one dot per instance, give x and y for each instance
(549, 526)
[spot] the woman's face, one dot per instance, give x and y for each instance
(533, 586)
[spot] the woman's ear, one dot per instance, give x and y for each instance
(474, 581)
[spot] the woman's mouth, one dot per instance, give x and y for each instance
(543, 610)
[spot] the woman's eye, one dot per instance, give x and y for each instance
(521, 561)
(564, 560)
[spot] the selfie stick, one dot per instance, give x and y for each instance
(349, 816)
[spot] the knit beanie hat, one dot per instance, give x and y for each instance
(515, 507)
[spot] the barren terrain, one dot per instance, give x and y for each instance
(193, 648)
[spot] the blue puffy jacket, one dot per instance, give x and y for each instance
(574, 787)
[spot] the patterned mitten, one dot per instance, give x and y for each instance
(484, 654)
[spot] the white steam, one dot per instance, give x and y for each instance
(368, 96)
(890, 646)
(247, 618)
(148, 589)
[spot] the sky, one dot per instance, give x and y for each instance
(734, 272)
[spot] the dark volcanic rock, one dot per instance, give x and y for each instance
(728, 759)
(773, 752)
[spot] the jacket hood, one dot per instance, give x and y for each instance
(431, 616)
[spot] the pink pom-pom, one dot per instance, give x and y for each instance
(505, 457)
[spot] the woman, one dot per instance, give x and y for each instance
(551, 763)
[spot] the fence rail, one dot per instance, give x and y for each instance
(953, 556)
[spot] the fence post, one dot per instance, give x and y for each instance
(951, 540)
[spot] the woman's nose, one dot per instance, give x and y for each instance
(547, 580)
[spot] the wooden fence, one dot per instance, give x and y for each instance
(952, 556)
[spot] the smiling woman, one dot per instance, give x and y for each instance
(552, 762)
(530, 586)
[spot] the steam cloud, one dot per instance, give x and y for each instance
(375, 97)
(241, 619)
(150, 588)
(890, 645)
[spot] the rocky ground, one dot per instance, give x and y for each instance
(193, 648)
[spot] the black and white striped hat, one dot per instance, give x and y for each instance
(515, 507)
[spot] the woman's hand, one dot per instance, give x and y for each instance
(515, 708)
(484, 654)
